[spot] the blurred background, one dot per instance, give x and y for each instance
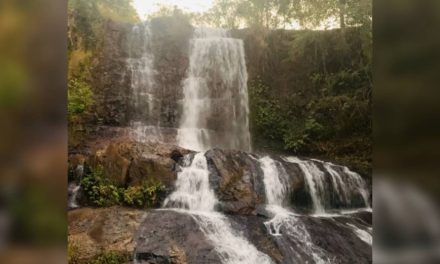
(33, 140)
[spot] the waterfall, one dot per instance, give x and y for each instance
(215, 103)
(194, 196)
(345, 184)
(192, 186)
(285, 224)
(144, 116)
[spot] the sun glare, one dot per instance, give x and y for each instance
(145, 7)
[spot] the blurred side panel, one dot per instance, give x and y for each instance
(33, 141)
(406, 131)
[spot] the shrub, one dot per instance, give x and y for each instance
(101, 192)
(79, 96)
(146, 195)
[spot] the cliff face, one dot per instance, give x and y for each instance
(112, 77)
(309, 91)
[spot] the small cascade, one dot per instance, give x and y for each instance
(215, 103)
(330, 185)
(192, 186)
(72, 190)
(74, 187)
(194, 196)
(314, 178)
(285, 225)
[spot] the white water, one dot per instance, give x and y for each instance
(277, 190)
(215, 104)
(73, 189)
(194, 194)
(315, 181)
(362, 234)
(140, 65)
(345, 185)
(193, 191)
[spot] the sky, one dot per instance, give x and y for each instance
(148, 6)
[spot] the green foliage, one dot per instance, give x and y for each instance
(79, 97)
(146, 195)
(102, 193)
(111, 258)
(316, 99)
(99, 190)
(300, 135)
(86, 20)
(282, 13)
(265, 111)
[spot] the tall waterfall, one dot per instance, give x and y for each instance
(144, 116)
(215, 104)
(194, 194)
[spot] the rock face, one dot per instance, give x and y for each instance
(172, 237)
(178, 239)
(92, 232)
(129, 163)
(111, 76)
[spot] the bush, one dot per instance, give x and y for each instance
(146, 195)
(79, 97)
(102, 193)
(99, 190)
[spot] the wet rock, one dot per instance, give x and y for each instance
(167, 236)
(92, 232)
(236, 179)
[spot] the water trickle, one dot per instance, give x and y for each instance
(194, 194)
(140, 66)
(215, 104)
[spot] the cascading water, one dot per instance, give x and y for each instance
(345, 184)
(140, 64)
(194, 195)
(284, 223)
(215, 103)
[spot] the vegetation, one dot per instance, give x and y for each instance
(101, 192)
(316, 101)
(310, 90)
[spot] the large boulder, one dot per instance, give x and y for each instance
(237, 180)
(128, 163)
(94, 232)
(168, 236)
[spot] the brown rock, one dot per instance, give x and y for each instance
(96, 231)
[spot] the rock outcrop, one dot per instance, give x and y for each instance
(178, 239)
(94, 232)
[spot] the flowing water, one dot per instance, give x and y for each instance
(144, 116)
(285, 225)
(215, 103)
(345, 185)
(194, 194)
